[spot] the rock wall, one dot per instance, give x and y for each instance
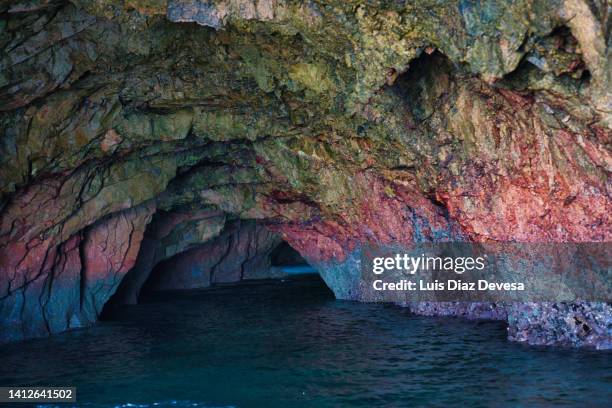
(335, 124)
(168, 234)
(241, 252)
(49, 288)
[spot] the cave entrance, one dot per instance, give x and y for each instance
(238, 255)
(245, 252)
(289, 261)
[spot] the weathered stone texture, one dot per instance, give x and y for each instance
(241, 252)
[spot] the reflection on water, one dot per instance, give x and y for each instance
(298, 269)
(289, 344)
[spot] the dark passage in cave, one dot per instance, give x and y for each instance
(169, 280)
(243, 251)
(288, 261)
(187, 250)
(425, 85)
(155, 142)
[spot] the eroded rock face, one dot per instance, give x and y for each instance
(241, 252)
(51, 288)
(169, 234)
(335, 124)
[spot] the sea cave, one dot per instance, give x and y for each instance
(228, 151)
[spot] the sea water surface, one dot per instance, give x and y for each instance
(290, 344)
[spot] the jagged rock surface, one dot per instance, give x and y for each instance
(168, 234)
(333, 123)
(241, 252)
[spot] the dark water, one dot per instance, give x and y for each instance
(290, 344)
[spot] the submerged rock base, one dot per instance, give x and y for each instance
(542, 324)
(565, 324)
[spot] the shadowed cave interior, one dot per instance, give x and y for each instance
(240, 251)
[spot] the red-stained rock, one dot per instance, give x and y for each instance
(53, 288)
(110, 250)
(540, 203)
(386, 213)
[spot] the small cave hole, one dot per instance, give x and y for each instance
(424, 85)
(558, 54)
(289, 261)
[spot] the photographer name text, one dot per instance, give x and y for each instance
(451, 285)
(411, 265)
